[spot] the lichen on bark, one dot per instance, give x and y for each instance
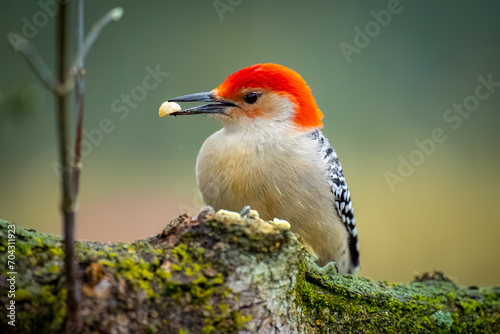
(217, 273)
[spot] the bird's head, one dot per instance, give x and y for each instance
(259, 94)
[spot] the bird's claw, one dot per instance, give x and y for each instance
(245, 211)
(328, 269)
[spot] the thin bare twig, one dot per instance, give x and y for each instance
(79, 96)
(29, 52)
(24, 46)
(63, 106)
(73, 319)
(113, 15)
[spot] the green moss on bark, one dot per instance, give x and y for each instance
(360, 305)
(152, 280)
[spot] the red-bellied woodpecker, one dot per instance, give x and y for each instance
(271, 155)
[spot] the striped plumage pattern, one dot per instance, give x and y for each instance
(342, 195)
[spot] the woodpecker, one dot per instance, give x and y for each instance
(271, 155)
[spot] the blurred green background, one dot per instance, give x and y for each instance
(395, 90)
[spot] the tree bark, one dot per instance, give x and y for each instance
(218, 273)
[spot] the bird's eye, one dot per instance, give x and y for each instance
(251, 97)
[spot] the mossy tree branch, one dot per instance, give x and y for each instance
(222, 274)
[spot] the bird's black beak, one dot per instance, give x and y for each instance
(218, 107)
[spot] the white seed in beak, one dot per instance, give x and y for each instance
(168, 107)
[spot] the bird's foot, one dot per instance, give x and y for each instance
(245, 212)
(328, 269)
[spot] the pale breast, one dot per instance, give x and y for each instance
(280, 179)
(270, 176)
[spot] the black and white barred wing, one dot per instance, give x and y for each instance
(342, 195)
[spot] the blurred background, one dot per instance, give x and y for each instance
(380, 89)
